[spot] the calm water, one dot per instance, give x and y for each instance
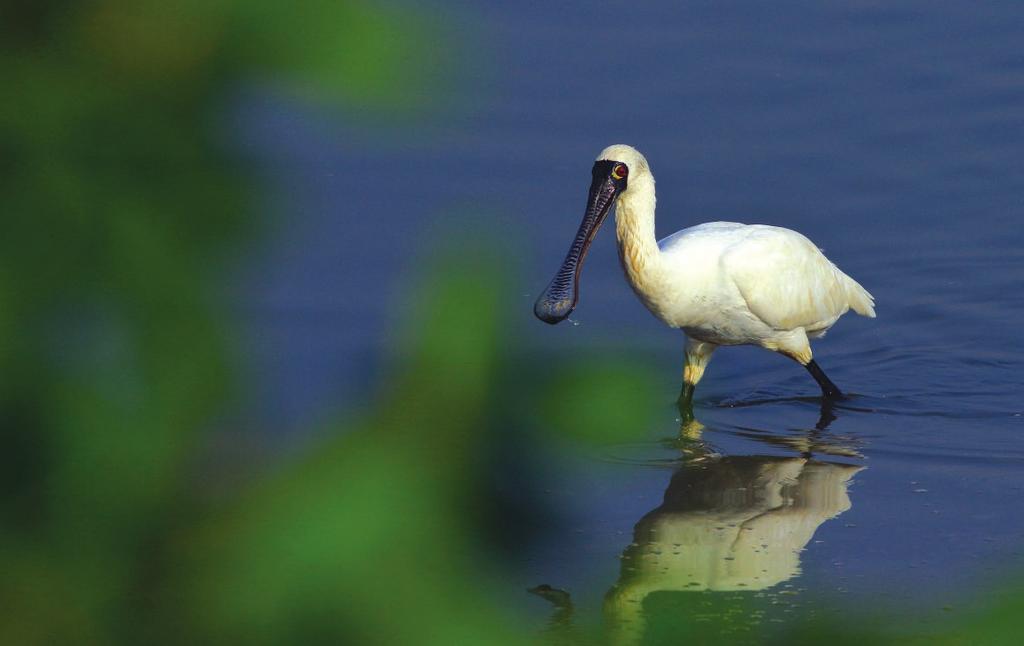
(891, 137)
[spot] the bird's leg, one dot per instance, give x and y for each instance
(698, 354)
(826, 416)
(795, 345)
(685, 403)
(828, 389)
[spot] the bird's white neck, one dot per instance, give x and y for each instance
(638, 246)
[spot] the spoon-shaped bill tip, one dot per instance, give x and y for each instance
(553, 310)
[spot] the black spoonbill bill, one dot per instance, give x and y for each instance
(721, 283)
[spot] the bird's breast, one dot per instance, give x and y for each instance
(699, 301)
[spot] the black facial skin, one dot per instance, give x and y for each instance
(610, 178)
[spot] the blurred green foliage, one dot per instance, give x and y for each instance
(367, 538)
(599, 400)
(120, 206)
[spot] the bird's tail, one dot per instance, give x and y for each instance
(861, 301)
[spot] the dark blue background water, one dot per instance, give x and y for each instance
(890, 135)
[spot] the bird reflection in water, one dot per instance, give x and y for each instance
(727, 524)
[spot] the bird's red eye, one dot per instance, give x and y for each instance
(619, 171)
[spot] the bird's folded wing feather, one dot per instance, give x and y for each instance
(785, 280)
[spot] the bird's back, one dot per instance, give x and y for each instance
(775, 275)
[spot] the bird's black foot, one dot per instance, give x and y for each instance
(685, 402)
(828, 389)
(826, 416)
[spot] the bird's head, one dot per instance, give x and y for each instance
(628, 156)
(615, 168)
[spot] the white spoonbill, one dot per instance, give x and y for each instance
(721, 283)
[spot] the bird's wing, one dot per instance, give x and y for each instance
(785, 280)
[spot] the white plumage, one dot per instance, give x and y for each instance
(722, 283)
(726, 283)
(750, 283)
